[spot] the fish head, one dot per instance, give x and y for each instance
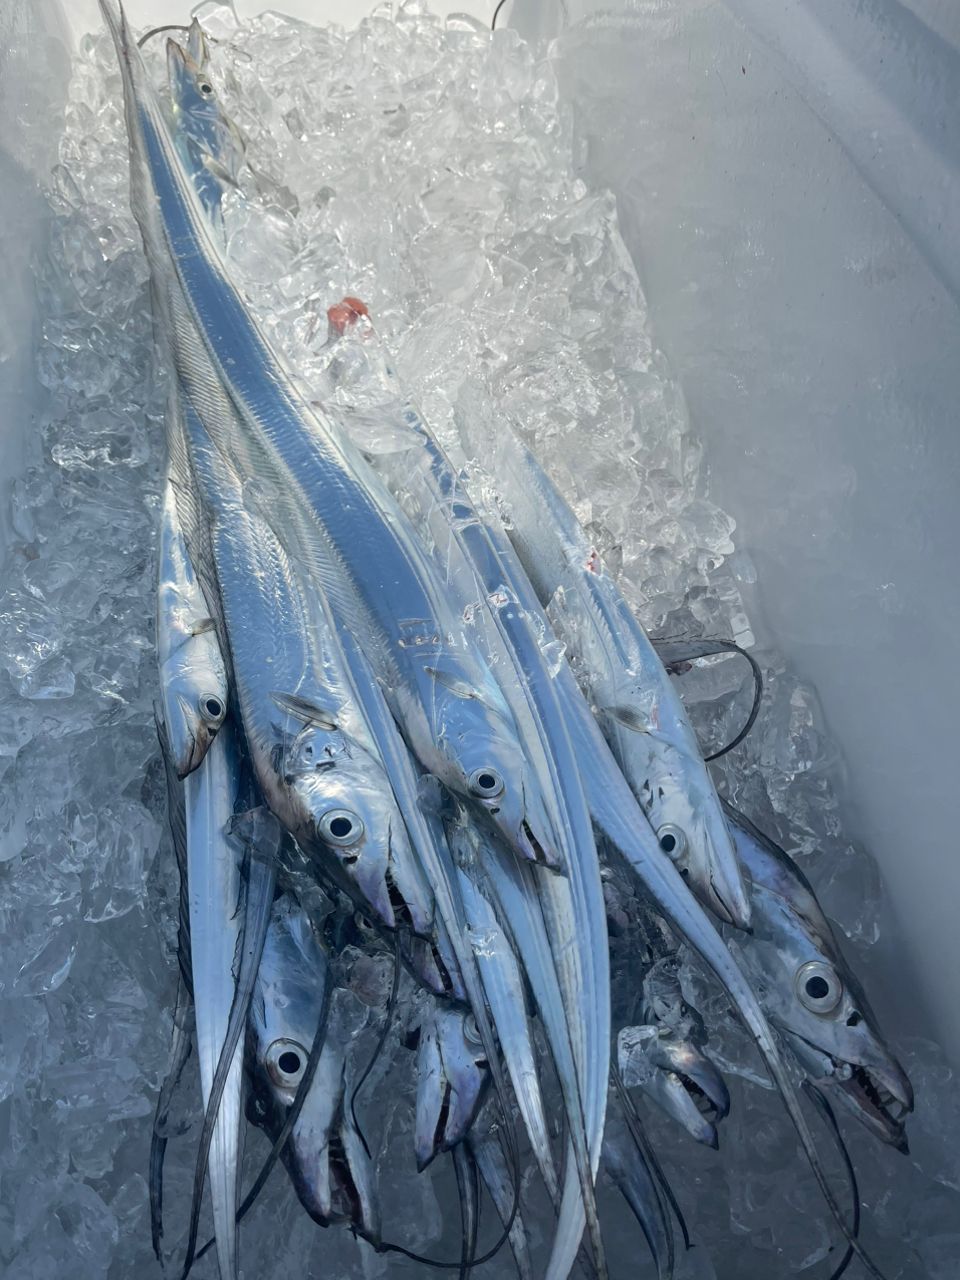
(193, 686)
(319, 1162)
(497, 779)
(485, 764)
(809, 993)
(285, 1015)
(347, 816)
(683, 810)
(688, 1085)
(209, 143)
(196, 107)
(452, 1075)
(675, 1073)
(285, 1011)
(314, 1156)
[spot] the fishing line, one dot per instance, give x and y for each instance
(381, 1041)
(181, 1046)
(496, 13)
(514, 1157)
(468, 1190)
(754, 709)
(704, 650)
(664, 1192)
(826, 1110)
(156, 31)
(293, 1114)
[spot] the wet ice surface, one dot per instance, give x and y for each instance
(426, 169)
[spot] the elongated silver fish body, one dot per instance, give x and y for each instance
(809, 992)
(503, 984)
(214, 882)
(488, 591)
(446, 698)
(640, 713)
(193, 678)
(314, 756)
(210, 145)
(327, 1164)
(627, 1168)
(452, 717)
(496, 1177)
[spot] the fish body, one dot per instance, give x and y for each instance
(496, 1177)
(215, 890)
(486, 586)
(810, 993)
(210, 145)
(193, 677)
(639, 712)
(352, 535)
(323, 1155)
(503, 984)
(627, 1167)
(228, 372)
(314, 757)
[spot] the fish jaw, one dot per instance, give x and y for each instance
(522, 821)
(362, 1176)
(880, 1096)
(686, 1068)
(433, 1092)
(672, 1094)
(451, 1081)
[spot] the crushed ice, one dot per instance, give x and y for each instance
(426, 168)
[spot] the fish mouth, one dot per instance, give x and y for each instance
(713, 1104)
(533, 850)
(339, 1200)
(732, 906)
(866, 1094)
(880, 1097)
(190, 744)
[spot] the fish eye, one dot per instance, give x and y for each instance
(205, 87)
(286, 1061)
(212, 708)
(340, 827)
(486, 783)
(673, 841)
(818, 986)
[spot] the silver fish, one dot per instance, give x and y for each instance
(640, 713)
(314, 756)
(451, 1078)
(675, 1074)
(626, 1164)
(503, 983)
(356, 541)
(324, 1157)
(446, 701)
(662, 1054)
(214, 884)
(193, 678)
(810, 994)
(487, 587)
(211, 146)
